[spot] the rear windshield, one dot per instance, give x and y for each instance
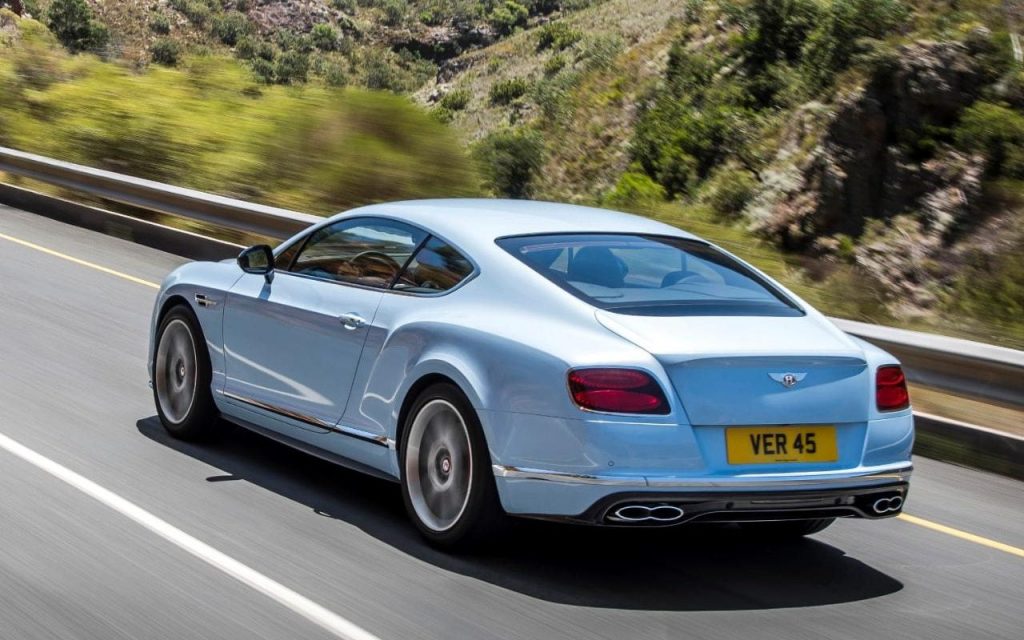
(650, 275)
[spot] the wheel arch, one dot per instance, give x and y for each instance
(412, 393)
(171, 301)
(163, 309)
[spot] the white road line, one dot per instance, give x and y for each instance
(301, 605)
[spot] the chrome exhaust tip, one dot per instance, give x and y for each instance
(883, 506)
(644, 513)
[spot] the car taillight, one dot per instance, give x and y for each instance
(616, 391)
(891, 389)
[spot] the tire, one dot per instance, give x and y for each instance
(181, 377)
(786, 529)
(447, 484)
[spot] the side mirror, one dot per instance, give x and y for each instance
(258, 259)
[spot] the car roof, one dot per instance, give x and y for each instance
(478, 222)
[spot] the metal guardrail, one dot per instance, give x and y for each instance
(965, 367)
(961, 366)
(155, 196)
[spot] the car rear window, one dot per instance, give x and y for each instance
(650, 275)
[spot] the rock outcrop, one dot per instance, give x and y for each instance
(864, 165)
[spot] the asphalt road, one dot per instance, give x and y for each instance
(73, 388)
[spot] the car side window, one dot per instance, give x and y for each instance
(436, 267)
(368, 252)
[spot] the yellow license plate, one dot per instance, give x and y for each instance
(764, 445)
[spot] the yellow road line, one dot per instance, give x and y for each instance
(956, 533)
(79, 261)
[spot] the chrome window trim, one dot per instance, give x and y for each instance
(390, 288)
(352, 432)
(768, 481)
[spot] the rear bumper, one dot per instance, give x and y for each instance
(863, 493)
(871, 502)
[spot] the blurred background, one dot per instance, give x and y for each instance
(868, 153)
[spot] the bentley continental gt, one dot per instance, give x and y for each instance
(511, 358)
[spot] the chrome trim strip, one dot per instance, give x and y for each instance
(767, 481)
(352, 432)
(525, 473)
(383, 441)
(310, 420)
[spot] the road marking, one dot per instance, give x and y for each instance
(79, 261)
(301, 605)
(956, 533)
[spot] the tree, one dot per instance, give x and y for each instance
(73, 24)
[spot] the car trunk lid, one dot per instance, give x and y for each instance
(730, 371)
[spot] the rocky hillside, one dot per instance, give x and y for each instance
(875, 142)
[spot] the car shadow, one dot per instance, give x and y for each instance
(676, 569)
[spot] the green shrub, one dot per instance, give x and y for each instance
(325, 37)
(165, 51)
(263, 69)
(265, 51)
(543, 7)
(291, 41)
(689, 74)
(505, 91)
(394, 12)
(160, 24)
(32, 69)
(73, 24)
(380, 74)
(508, 16)
(334, 75)
(991, 286)
(231, 26)
(456, 99)
(442, 114)
(348, 6)
(840, 32)
(996, 132)
(554, 64)
(401, 73)
(250, 48)
(678, 144)
(633, 190)
(292, 68)
(777, 30)
(197, 12)
(600, 51)
(729, 191)
(246, 48)
(511, 160)
(554, 96)
(557, 35)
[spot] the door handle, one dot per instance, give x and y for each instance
(351, 321)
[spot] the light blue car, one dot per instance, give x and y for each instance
(538, 360)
